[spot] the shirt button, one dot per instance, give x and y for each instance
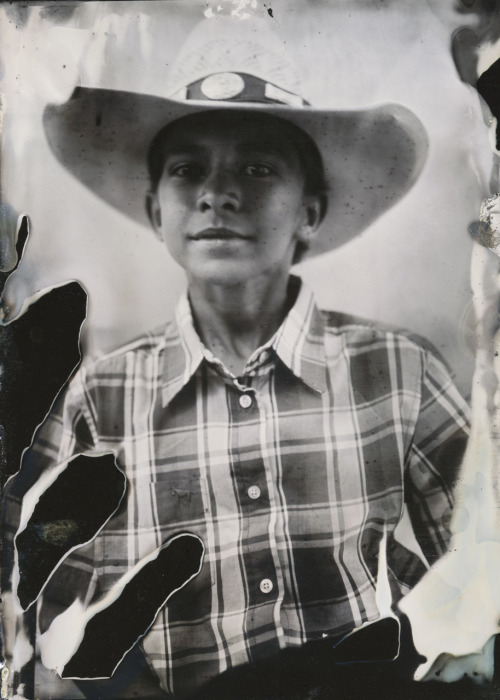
(245, 401)
(254, 492)
(266, 585)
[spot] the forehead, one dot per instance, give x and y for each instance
(231, 131)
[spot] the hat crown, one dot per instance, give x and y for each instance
(225, 44)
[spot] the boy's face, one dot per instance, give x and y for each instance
(230, 203)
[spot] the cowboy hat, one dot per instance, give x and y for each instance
(371, 156)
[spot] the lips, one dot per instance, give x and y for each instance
(218, 233)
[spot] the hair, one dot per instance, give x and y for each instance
(310, 160)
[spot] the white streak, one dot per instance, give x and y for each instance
(58, 644)
(383, 596)
(22, 652)
(454, 610)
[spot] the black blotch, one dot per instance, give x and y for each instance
(69, 513)
(111, 633)
(378, 642)
(269, 12)
(314, 671)
(38, 352)
(488, 86)
(22, 237)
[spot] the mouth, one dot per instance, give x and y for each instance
(218, 234)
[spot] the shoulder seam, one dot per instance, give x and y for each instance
(153, 338)
(344, 322)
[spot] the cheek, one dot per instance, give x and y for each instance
(170, 203)
(176, 198)
(276, 204)
(286, 212)
(174, 214)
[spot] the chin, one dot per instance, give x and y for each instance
(222, 273)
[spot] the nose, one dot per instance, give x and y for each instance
(219, 192)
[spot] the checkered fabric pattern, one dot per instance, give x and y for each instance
(290, 473)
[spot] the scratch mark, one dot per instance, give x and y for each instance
(4, 692)
(486, 231)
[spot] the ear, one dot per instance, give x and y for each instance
(312, 217)
(153, 209)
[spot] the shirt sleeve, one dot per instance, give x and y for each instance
(66, 432)
(434, 457)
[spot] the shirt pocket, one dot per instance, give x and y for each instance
(172, 504)
(153, 513)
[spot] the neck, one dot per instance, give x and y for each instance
(234, 320)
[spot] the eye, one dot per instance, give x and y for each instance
(189, 171)
(258, 170)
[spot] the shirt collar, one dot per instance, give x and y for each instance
(300, 340)
(299, 343)
(183, 351)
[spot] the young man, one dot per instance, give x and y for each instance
(288, 439)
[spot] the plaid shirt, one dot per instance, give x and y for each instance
(290, 473)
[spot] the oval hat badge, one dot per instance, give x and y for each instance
(222, 86)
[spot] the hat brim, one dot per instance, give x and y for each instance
(372, 157)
